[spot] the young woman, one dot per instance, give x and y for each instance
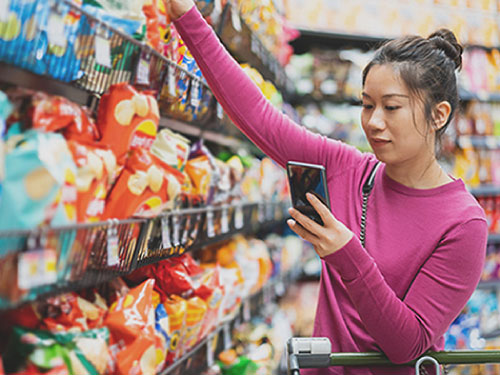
(425, 234)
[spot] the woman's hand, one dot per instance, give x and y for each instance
(177, 8)
(326, 239)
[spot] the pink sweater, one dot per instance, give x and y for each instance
(424, 248)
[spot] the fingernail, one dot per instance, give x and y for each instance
(290, 222)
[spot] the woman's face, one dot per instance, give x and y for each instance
(395, 130)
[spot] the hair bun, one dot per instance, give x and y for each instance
(446, 41)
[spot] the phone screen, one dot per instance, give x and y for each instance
(307, 179)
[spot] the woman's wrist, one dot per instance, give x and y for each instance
(177, 8)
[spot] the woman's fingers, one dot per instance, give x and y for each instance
(301, 231)
(306, 222)
(321, 209)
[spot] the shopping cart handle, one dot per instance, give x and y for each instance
(315, 352)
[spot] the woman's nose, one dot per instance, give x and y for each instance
(376, 120)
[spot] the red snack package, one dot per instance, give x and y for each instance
(173, 278)
(131, 323)
(127, 120)
(96, 170)
(192, 267)
(146, 184)
(153, 25)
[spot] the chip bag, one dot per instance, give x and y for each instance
(176, 308)
(96, 171)
(146, 184)
(171, 148)
(195, 313)
(39, 186)
(131, 321)
(127, 120)
(211, 291)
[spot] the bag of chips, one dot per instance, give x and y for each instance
(195, 313)
(171, 148)
(176, 308)
(127, 120)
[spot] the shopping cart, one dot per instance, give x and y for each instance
(316, 352)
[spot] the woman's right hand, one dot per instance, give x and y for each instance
(177, 8)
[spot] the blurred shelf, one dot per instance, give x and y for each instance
(485, 190)
(490, 142)
(466, 95)
(491, 284)
(310, 39)
(203, 354)
(88, 254)
(311, 99)
(247, 47)
(494, 239)
(490, 335)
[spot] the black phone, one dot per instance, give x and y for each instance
(307, 178)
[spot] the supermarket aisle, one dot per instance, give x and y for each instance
(141, 232)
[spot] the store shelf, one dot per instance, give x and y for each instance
(485, 190)
(73, 257)
(479, 141)
(246, 47)
(481, 96)
(336, 99)
(310, 39)
(491, 284)
(494, 239)
(202, 355)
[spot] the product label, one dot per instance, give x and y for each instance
(36, 268)
(165, 233)
(210, 223)
(113, 247)
(103, 51)
(171, 81)
(175, 231)
(195, 93)
(142, 74)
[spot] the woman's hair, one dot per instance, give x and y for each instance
(427, 67)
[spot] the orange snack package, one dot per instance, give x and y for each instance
(127, 120)
(199, 171)
(176, 308)
(146, 184)
(196, 310)
(134, 341)
(211, 291)
(96, 170)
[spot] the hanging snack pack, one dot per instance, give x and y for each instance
(127, 120)
(195, 313)
(131, 321)
(146, 184)
(39, 186)
(171, 148)
(176, 308)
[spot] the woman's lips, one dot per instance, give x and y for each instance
(379, 142)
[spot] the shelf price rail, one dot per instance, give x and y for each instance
(47, 261)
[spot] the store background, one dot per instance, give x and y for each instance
(204, 220)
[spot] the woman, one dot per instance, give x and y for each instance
(425, 234)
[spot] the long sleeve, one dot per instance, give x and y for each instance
(405, 328)
(272, 131)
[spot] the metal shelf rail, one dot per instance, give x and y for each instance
(47, 261)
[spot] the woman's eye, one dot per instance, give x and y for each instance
(391, 107)
(367, 106)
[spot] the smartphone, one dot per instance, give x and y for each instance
(307, 178)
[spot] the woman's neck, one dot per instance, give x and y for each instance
(427, 176)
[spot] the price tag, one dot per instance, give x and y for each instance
(269, 211)
(113, 246)
(36, 268)
(210, 223)
(175, 231)
(210, 351)
(187, 228)
(142, 73)
(262, 213)
(226, 337)
(102, 51)
(254, 45)
(165, 233)
(55, 31)
(4, 10)
(239, 218)
(194, 232)
(195, 93)
(246, 311)
(172, 91)
(220, 111)
(235, 18)
(224, 220)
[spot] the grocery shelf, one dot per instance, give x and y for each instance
(66, 258)
(465, 95)
(337, 99)
(245, 46)
(490, 284)
(494, 239)
(202, 355)
(490, 142)
(485, 190)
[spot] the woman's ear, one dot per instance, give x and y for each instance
(441, 114)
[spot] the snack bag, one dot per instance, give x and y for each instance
(39, 186)
(162, 328)
(82, 353)
(173, 278)
(211, 291)
(127, 120)
(146, 184)
(176, 310)
(131, 321)
(96, 170)
(153, 15)
(171, 148)
(195, 313)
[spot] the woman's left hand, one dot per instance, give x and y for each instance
(326, 239)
